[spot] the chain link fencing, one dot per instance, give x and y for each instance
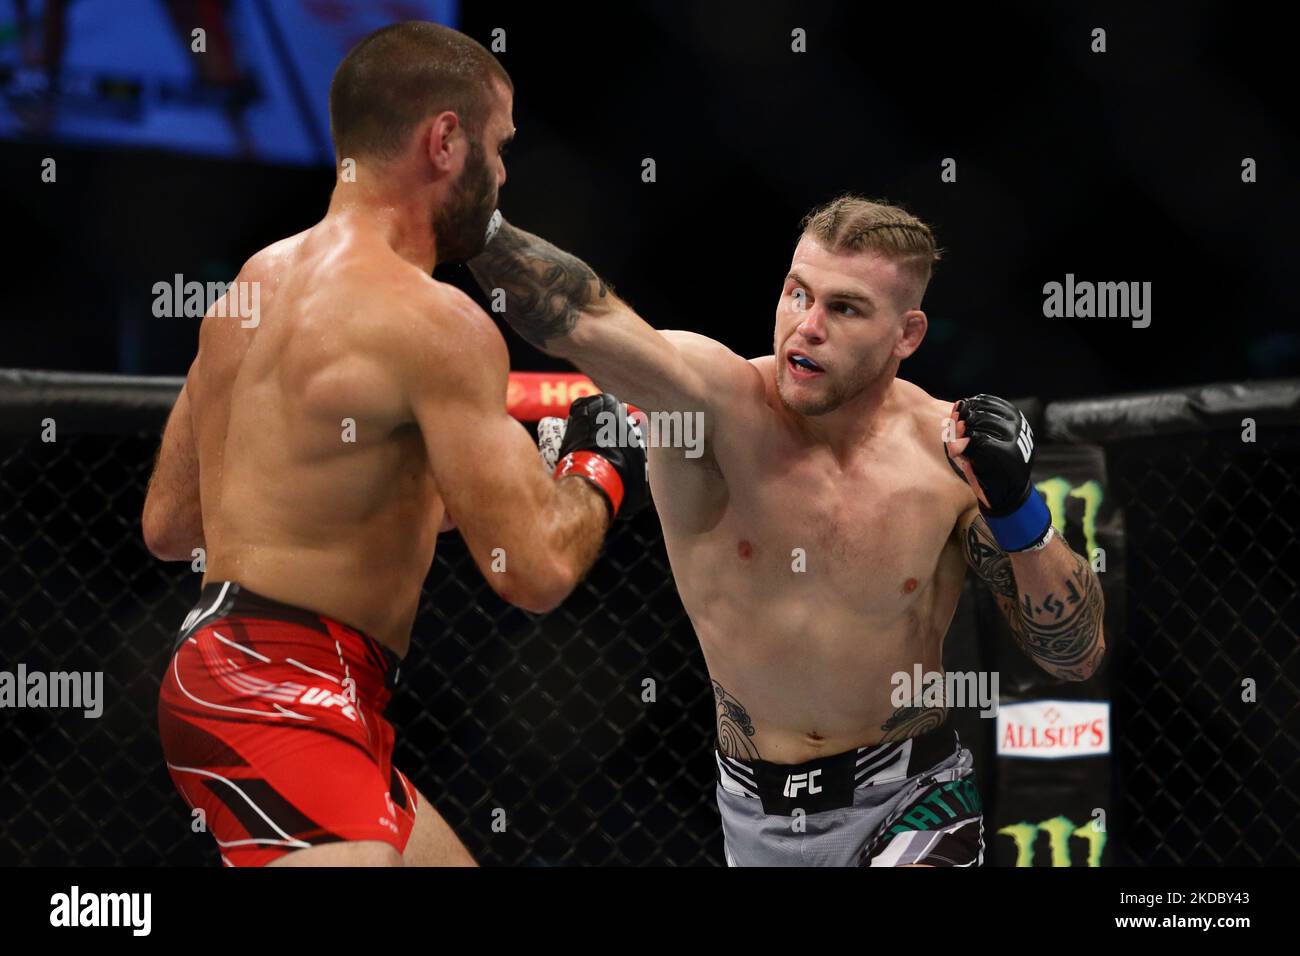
(1208, 740)
(548, 718)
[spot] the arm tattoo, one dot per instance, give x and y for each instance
(909, 721)
(990, 563)
(546, 289)
(1060, 630)
(734, 726)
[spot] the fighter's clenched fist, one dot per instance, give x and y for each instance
(601, 442)
(991, 446)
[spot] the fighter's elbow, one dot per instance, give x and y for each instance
(540, 588)
(1089, 665)
(539, 602)
(1098, 655)
(164, 548)
(154, 531)
(164, 537)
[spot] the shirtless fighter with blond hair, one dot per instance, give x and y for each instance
(821, 447)
(315, 452)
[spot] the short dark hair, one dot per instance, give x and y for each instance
(401, 75)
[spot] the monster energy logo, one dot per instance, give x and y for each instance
(1059, 830)
(1056, 490)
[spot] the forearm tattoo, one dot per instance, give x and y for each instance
(910, 721)
(990, 563)
(735, 729)
(546, 289)
(1060, 630)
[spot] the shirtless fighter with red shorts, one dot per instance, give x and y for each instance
(820, 540)
(314, 453)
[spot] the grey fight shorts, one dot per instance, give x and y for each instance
(911, 801)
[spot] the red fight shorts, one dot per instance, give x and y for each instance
(272, 724)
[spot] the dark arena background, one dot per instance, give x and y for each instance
(1040, 141)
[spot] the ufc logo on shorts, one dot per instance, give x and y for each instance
(323, 697)
(801, 781)
(1025, 441)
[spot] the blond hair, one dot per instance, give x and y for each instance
(851, 223)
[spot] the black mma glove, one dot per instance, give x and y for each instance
(1001, 456)
(603, 444)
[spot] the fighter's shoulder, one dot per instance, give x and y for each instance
(925, 415)
(437, 304)
(270, 261)
(256, 273)
(710, 357)
(694, 344)
(431, 323)
(919, 405)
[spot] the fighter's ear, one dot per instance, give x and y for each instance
(914, 326)
(441, 140)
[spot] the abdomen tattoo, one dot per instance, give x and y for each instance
(735, 729)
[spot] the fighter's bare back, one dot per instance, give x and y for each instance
(315, 481)
(333, 432)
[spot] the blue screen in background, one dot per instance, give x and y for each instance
(122, 72)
